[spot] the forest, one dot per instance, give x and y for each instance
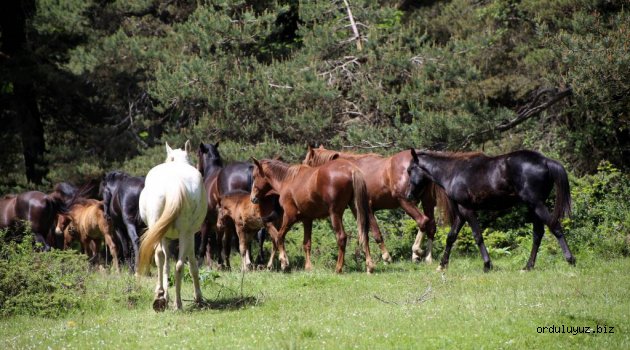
(91, 86)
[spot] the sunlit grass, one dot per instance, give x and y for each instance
(401, 306)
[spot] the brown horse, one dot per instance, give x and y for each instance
(34, 208)
(86, 221)
(236, 209)
(309, 193)
(387, 181)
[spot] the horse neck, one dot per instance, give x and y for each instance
(211, 166)
(437, 168)
(277, 179)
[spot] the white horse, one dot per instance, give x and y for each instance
(173, 206)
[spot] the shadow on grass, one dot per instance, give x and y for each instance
(227, 303)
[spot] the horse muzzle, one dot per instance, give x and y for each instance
(254, 199)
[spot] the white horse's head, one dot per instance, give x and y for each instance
(178, 155)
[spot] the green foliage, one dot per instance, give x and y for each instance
(47, 284)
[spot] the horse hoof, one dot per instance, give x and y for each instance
(159, 304)
(441, 268)
(428, 260)
(387, 259)
(487, 267)
(571, 261)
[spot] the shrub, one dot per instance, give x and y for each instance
(47, 284)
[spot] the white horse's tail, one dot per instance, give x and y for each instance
(156, 231)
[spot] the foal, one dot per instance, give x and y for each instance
(86, 221)
(248, 218)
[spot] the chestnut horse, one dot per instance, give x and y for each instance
(474, 181)
(309, 193)
(218, 180)
(237, 209)
(173, 206)
(34, 208)
(387, 182)
(86, 221)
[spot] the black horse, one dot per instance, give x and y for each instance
(219, 180)
(121, 195)
(474, 181)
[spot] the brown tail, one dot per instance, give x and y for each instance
(362, 205)
(157, 230)
(442, 202)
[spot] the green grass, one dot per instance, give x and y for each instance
(401, 306)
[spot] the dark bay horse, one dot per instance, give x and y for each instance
(309, 193)
(236, 209)
(218, 180)
(121, 195)
(34, 208)
(474, 181)
(387, 182)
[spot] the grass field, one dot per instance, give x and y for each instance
(401, 306)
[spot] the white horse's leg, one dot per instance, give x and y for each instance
(179, 267)
(194, 269)
(161, 299)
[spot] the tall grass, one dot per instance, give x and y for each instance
(401, 306)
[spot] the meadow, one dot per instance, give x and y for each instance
(402, 305)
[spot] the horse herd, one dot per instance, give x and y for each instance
(138, 216)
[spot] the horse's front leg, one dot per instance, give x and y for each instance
(273, 232)
(421, 220)
(243, 247)
(376, 232)
(337, 225)
(287, 222)
(456, 226)
(470, 216)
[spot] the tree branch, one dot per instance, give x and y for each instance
(525, 112)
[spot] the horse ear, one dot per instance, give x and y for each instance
(321, 146)
(257, 163)
(187, 146)
(203, 148)
(216, 145)
(335, 156)
(168, 149)
(414, 155)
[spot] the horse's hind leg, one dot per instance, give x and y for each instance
(542, 213)
(337, 225)
(113, 249)
(428, 207)
(376, 232)
(260, 237)
(539, 231)
(306, 244)
(194, 268)
(135, 242)
(161, 292)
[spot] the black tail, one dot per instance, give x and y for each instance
(563, 192)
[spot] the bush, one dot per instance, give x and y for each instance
(48, 284)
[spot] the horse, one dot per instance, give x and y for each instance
(236, 209)
(34, 208)
(86, 221)
(474, 181)
(309, 193)
(121, 195)
(387, 181)
(218, 180)
(173, 206)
